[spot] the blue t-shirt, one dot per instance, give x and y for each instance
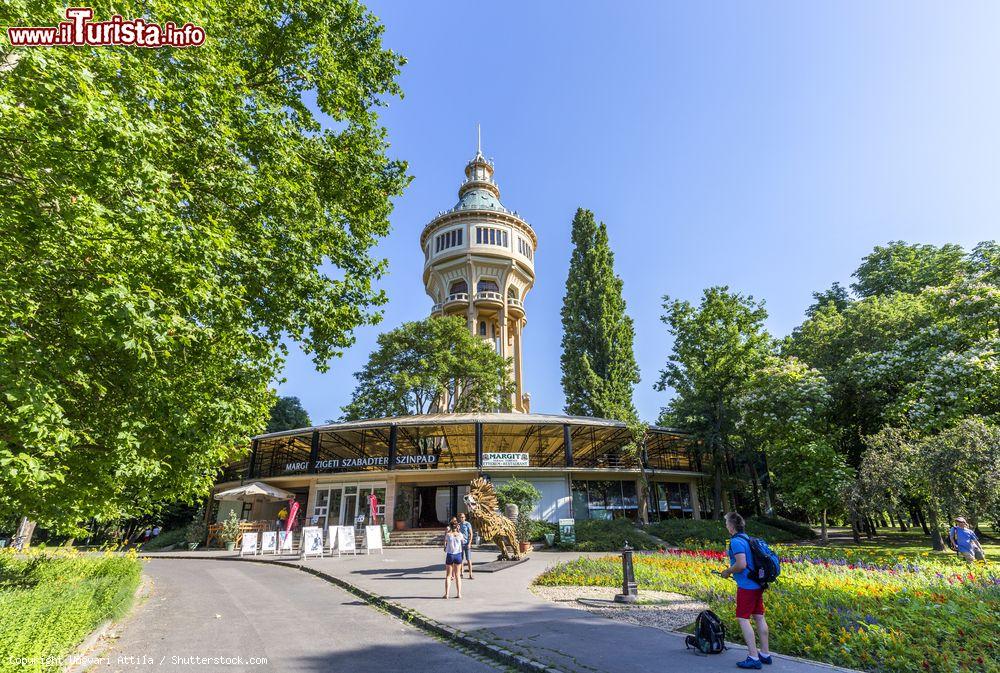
(465, 528)
(964, 537)
(740, 544)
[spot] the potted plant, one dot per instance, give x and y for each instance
(523, 529)
(230, 531)
(195, 531)
(403, 510)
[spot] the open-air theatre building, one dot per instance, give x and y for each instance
(479, 264)
(581, 466)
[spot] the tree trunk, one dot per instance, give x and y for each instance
(25, 531)
(756, 490)
(902, 521)
(855, 531)
(936, 540)
(767, 502)
(824, 538)
(923, 520)
(717, 492)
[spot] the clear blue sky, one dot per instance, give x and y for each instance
(764, 146)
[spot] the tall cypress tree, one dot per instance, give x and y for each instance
(598, 365)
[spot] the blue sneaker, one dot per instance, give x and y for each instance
(749, 663)
(766, 660)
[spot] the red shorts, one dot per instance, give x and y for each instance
(749, 602)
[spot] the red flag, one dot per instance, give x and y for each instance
(293, 509)
(373, 507)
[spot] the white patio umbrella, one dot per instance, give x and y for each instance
(254, 491)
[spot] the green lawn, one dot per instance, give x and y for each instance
(891, 541)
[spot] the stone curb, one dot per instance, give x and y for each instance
(498, 654)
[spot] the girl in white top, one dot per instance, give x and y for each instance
(453, 559)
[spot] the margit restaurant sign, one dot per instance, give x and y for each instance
(332, 464)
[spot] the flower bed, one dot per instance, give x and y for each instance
(50, 602)
(934, 616)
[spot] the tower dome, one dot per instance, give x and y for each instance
(479, 264)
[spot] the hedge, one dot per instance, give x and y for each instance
(681, 531)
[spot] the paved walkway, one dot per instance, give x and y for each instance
(499, 607)
(293, 621)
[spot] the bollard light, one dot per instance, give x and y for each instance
(630, 590)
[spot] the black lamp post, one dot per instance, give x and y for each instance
(630, 590)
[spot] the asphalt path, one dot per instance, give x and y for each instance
(211, 616)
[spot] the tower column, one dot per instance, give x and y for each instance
(504, 253)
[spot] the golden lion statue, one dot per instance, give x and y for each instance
(481, 501)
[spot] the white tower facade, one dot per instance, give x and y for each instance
(480, 264)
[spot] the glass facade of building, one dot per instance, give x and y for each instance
(462, 442)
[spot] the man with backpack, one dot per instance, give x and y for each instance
(749, 593)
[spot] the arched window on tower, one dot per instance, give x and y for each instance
(459, 286)
(482, 328)
(512, 293)
(487, 286)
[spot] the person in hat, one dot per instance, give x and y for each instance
(964, 539)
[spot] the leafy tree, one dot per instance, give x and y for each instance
(518, 492)
(837, 295)
(892, 467)
(168, 216)
(287, 414)
(718, 348)
(964, 465)
(782, 415)
(955, 471)
(904, 267)
(433, 365)
(598, 364)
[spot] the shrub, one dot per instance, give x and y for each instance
(518, 492)
(230, 527)
(611, 536)
(523, 527)
(196, 530)
(799, 530)
(540, 528)
(404, 506)
(50, 602)
(165, 539)
(680, 531)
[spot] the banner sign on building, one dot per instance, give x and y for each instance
(312, 541)
(332, 464)
(505, 460)
(293, 511)
(269, 542)
(567, 531)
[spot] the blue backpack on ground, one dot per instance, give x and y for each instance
(766, 564)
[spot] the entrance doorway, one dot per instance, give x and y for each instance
(348, 504)
(435, 505)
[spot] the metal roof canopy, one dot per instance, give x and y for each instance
(458, 419)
